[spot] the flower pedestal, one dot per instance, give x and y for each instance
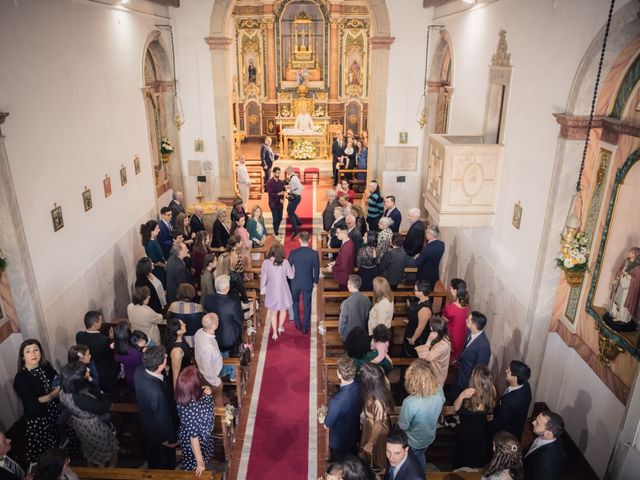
(574, 279)
(166, 157)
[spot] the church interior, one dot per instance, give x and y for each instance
(508, 130)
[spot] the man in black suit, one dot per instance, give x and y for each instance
(275, 189)
(220, 231)
(402, 464)
(164, 237)
(414, 240)
(176, 205)
(101, 352)
(267, 157)
(393, 263)
(354, 232)
(510, 413)
(428, 261)
(544, 458)
(338, 222)
(477, 351)
(337, 152)
(155, 410)
(197, 220)
(9, 468)
(392, 212)
(177, 270)
(343, 412)
(307, 271)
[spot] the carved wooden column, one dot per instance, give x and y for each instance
(221, 72)
(270, 57)
(378, 103)
(334, 59)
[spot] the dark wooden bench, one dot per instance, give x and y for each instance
(92, 473)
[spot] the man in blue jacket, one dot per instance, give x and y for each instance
(307, 270)
(343, 416)
(477, 351)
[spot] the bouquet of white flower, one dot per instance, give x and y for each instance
(576, 256)
(303, 150)
(166, 147)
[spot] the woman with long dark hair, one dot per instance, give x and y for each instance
(437, 348)
(180, 353)
(419, 314)
(456, 314)
(197, 414)
(128, 354)
(378, 403)
(37, 385)
(274, 286)
(149, 232)
(199, 251)
(146, 278)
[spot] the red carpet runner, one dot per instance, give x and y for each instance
(280, 447)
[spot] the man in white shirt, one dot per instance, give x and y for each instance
(243, 179)
(208, 356)
(9, 468)
(294, 197)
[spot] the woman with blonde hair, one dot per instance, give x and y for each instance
(437, 348)
(472, 406)
(506, 463)
(382, 310)
(421, 409)
(274, 286)
(243, 247)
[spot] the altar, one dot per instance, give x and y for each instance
(290, 137)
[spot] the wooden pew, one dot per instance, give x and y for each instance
(92, 473)
(330, 372)
(242, 377)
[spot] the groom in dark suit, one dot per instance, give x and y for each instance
(307, 270)
(402, 463)
(543, 460)
(477, 351)
(337, 152)
(154, 403)
(510, 413)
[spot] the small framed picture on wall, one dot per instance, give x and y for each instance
(106, 183)
(123, 175)
(86, 199)
(136, 164)
(56, 217)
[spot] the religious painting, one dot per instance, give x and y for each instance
(354, 61)
(106, 183)
(198, 145)
(251, 72)
(354, 73)
(86, 199)
(250, 59)
(123, 175)
(136, 164)
(56, 218)
(403, 138)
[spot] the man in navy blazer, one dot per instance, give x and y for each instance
(229, 311)
(155, 409)
(402, 463)
(428, 261)
(306, 263)
(343, 415)
(414, 239)
(510, 413)
(544, 458)
(392, 212)
(267, 157)
(477, 351)
(164, 237)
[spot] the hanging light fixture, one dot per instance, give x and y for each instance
(421, 115)
(573, 221)
(178, 116)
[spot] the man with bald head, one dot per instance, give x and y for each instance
(207, 353)
(197, 220)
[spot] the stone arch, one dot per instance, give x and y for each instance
(220, 40)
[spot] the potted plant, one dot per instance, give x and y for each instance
(572, 259)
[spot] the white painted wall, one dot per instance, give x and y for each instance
(592, 414)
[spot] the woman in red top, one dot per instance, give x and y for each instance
(456, 314)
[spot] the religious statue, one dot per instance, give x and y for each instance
(625, 290)
(301, 75)
(354, 73)
(304, 122)
(251, 72)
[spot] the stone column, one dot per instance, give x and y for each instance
(379, 63)
(270, 57)
(334, 59)
(221, 70)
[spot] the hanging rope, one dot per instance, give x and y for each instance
(595, 97)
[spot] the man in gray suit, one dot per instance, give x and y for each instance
(177, 270)
(354, 311)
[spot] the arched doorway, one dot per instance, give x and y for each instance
(439, 86)
(158, 94)
(220, 42)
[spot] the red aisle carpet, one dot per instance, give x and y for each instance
(280, 447)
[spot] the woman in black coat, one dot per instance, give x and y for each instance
(37, 385)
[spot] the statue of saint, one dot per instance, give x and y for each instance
(625, 291)
(304, 122)
(354, 73)
(251, 72)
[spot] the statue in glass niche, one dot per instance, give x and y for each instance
(625, 292)
(251, 72)
(354, 73)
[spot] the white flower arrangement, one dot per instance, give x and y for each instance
(303, 150)
(3, 260)
(576, 256)
(230, 413)
(166, 147)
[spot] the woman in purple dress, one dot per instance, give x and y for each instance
(274, 286)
